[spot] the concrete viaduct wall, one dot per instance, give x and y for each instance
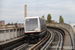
(11, 32)
(64, 26)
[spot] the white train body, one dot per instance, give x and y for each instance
(34, 26)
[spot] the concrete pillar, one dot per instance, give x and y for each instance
(16, 33)
(13, 33)
(21, 31)
(4, 36)
(9, 34)
(25, 10)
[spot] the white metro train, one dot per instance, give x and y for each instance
(35, 27)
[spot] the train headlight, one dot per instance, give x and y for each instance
(36, 29)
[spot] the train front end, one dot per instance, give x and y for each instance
(32, 28)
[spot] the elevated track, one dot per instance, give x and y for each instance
(57, 42)
(54, 40)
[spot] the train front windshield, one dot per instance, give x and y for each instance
(31, 24)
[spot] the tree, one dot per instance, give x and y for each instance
(8, 24)
(46, 21)
(43, 17)
(49, 18)
(12, 23)
(61, 20)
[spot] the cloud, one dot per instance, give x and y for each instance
(63, 8)
(10, 15)
(13, 10)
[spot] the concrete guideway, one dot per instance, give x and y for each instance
(67, 42)
(41, 43)
(69, 39)
(46, 46)
(57, 42)
(11, 36)
(69, 35)
(24, 46)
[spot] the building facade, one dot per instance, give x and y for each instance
(2, 22)
(53, 21)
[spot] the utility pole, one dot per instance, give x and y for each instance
(25, 10)
(69, 22)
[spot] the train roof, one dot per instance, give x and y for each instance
(33, 17)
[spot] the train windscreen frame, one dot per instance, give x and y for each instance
(31, 24)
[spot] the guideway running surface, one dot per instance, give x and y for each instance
(57, 42)
(67, 41)
(24, 46)
(29, 46)
(41, 43)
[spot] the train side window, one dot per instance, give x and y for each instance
(40, 21)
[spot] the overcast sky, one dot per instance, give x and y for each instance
(13, 10)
